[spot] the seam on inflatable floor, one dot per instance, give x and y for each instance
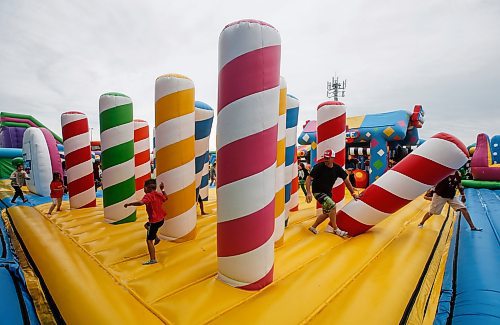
(298, 269)
(487, 213)
(358, 273)
(449, 320)
(48, 297)
(101, 265)
(413, 299)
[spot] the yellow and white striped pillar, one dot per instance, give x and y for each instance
(174, 121)
(279, 199)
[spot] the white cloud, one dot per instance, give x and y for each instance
(58, 56)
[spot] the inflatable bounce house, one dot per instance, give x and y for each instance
(251, 258)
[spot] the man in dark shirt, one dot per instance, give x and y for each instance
(444, 192)
(323, 177)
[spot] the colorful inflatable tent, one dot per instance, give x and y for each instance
(486, 160)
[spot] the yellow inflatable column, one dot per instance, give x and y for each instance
(279, 199)
(174, 116)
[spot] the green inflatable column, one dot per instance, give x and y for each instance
(117, 157)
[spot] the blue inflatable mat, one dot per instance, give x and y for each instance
(471, 287)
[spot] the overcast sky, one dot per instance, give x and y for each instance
(57, 56)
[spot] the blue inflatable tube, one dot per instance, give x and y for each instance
(475, 284)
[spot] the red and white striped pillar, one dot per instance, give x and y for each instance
(426, 166)
(141, 156)
(294, 197)
(331, 135)
(78, 157)
(248, 101)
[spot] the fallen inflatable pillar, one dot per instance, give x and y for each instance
(426, 166)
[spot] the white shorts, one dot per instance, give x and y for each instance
(438, 203)
(56, 200)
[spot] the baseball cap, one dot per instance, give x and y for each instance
(329, 154)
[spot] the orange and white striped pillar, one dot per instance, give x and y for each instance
(174, 121)
(280, 213)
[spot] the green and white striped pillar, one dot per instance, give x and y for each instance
(117, 157)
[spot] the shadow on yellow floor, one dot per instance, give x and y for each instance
(94, 273)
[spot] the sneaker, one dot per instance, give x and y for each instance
(150, 262)
(157, 241)
(420, 226)
(329, 229)
(313, 230)
(12, 201)
(25, 200)
(476, 229)
(340, 232)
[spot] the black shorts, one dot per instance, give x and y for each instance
(153, 230)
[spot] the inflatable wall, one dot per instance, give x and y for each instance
(485, 162)
(13, 126)
(247, 113)
(7, 155)
(37, 162)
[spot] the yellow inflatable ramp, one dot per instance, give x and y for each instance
(94, 271)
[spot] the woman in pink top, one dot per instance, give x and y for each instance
(154, 207)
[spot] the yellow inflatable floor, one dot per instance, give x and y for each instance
(95, 275)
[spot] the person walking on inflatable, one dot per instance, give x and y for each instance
(156, 215)
(444, 192)
(56, 192)
(323, 177)
(18, 179)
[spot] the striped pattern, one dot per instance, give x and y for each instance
(77, 154)
(204, 116)
(280, 213)
(291, 170)
(247, 118)
(331, 135)
(142, 156)
(294, 198)
(117, 157)
(437, 158)
(357, 151)
(175, 163)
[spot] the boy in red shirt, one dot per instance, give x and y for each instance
(154, 207)
(56, 192)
